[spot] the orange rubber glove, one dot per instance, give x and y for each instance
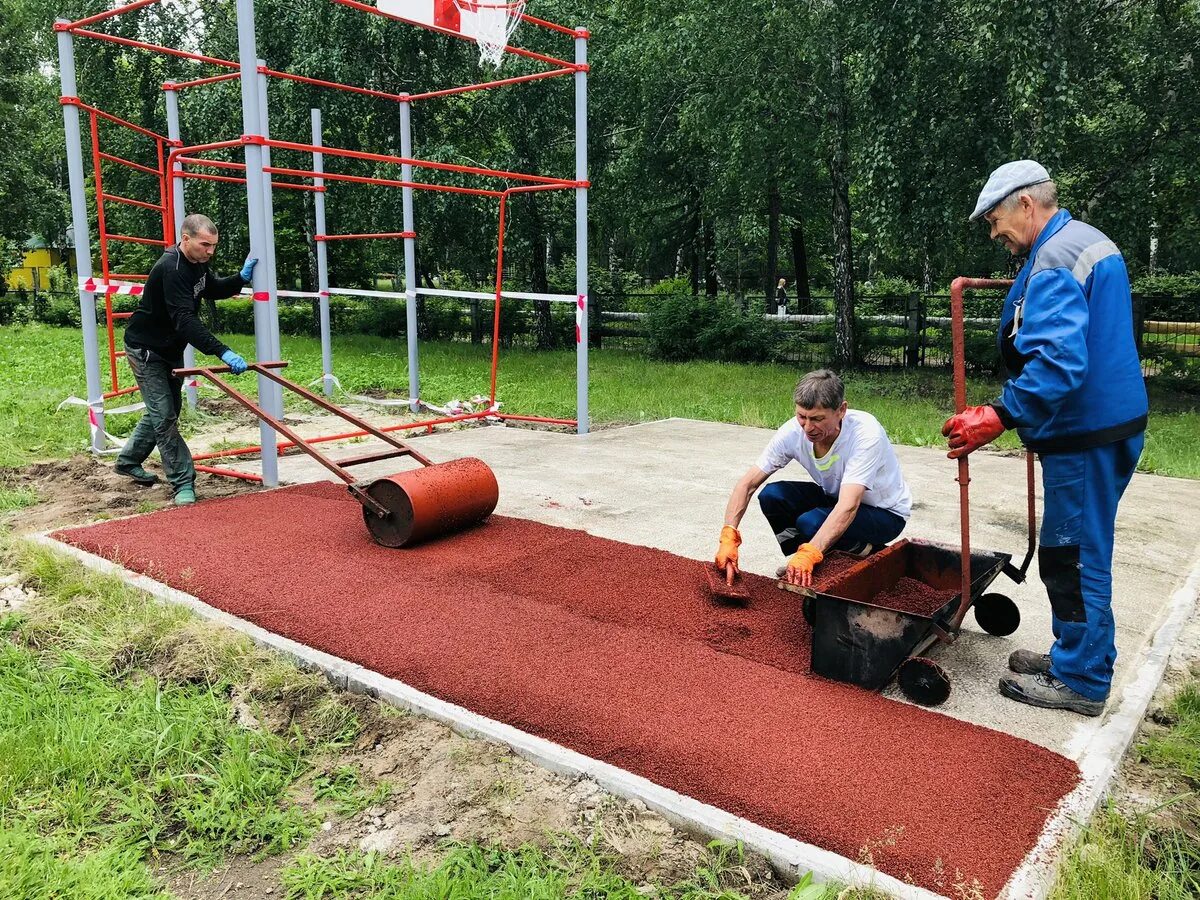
(971, 429)
(802, 563)
(727, 552)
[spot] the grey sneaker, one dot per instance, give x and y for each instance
(1048, 692)
(862, 550)
(1026, 662)
(138, 475)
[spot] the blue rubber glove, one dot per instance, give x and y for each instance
(236, 364)
(247, 272)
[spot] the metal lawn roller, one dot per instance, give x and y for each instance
(405, 508)
(861, 642)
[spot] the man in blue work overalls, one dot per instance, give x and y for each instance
(1076, 396)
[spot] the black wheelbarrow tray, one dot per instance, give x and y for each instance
(857, 640)
(854, 639)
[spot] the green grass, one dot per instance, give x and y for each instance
(569, 870)
(120, 749)
(42, 365)
(1155, 854)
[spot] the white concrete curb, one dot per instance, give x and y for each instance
(1099, 746)
(788, 855)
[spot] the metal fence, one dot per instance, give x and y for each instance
(895, 331)
(906, 331)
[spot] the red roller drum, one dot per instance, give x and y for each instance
(429, 502)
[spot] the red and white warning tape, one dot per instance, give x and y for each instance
(580, 317)
(94, 421)
(91, 285)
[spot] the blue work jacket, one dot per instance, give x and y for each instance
(1066, 337)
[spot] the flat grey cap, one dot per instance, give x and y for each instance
(1012, 176)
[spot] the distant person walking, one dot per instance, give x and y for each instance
(781, 299)
(165, 322)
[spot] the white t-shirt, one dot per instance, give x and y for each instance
(861, 454)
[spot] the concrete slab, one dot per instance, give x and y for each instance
(664, 484)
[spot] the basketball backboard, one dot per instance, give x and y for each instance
(487, 22)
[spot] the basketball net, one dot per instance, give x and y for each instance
(494, 23)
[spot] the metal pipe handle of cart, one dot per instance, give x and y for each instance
(266, 369)
(957, 288)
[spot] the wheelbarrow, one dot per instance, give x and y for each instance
(406, 508)
(857, 639)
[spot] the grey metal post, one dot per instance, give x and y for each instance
(173, 132)
(269, 262)
(410, 257)
(83, 241)
(261, 237)
(581, 234)
(322, 257)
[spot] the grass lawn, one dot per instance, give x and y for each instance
(43, 365)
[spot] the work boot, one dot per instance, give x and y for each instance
(138, 475)
(1048, 692)
(1027, 662)
(185, 496)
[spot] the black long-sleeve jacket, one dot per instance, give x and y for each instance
(167, 320)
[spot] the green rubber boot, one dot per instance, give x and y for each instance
(185, 496)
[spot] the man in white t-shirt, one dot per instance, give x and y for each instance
(857, 499)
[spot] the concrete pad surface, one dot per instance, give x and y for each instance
(664, 484)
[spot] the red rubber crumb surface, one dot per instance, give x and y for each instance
(912, 596)
(618, 652)
(831, 567)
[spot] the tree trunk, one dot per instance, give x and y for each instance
(843, 248)
(800, 259)
(710, 259)
(773, 208)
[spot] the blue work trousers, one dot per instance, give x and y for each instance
(1082, 490)
(798, 509)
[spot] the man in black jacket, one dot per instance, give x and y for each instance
(161, 327)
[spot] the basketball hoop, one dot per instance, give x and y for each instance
(490, 23)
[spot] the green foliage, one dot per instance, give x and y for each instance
(345, 789)
(680, 327)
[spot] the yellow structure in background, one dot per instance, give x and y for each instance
(34, 272)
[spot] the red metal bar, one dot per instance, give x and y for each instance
(960, 403)
(100, 17)
(421, 163)
(230, 473)
(199, 82)
(518, 79)
(385, 182)
(131, 239)
(122, 315)
(168, 218)
(211, 163)
(353, 237)
(125, 162)
(336, 85)
(141, 203)
(516, 51)
(407, 426)
(99, 182)
(496, 303)
(543, 23)
(109, 117)
(200, 176)
(120, 392)
(155, 48)
(129, 276)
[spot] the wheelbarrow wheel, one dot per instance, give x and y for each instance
(997, 614)
(923, 681)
